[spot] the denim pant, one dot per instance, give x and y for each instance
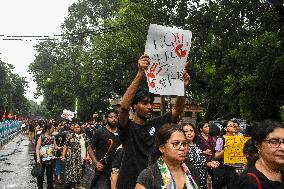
(58, 167)
(48, 168)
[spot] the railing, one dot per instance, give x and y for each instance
(8, 127)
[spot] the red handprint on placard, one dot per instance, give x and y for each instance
(151, 75)
(152, 83)
(179, 47)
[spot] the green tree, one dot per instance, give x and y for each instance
(12, 91)
(236, 60)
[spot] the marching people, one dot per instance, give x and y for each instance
(116, 167)
(137, 135)
(265, 168)
(23, 128)
(205, 141)
(38, 130)
(31, 129)
(207, 144)
(225, 175)
(214, 132)
(45, 155)
(60, 140)
(168, 169)
(238, 128)
(102, 149)
(75, 153)
(196, 160)
(89, 130)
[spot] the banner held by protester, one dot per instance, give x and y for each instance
(67, 114)
(168, 49)
(233, 153)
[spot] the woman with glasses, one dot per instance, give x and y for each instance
(168, 170)
(196, 160)
(225, 175)
(266, 164)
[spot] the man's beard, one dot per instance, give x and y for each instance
(111, 124)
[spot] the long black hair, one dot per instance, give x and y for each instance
(260, 131)
(201, 124)
(162, 136)
(46, 127)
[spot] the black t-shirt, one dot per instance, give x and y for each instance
(60, 140)
(99, 143)
(117, 159)
(151, 178)
(31, 128)
(249, 182)
(138, 143)
(89, 132)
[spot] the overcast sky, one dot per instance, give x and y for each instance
(28, 17)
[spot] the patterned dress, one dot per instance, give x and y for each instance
(196, 162)
(74, 162)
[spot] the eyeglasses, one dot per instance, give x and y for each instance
(178, 144)
(274, 142)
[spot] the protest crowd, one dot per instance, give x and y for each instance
(147, 152)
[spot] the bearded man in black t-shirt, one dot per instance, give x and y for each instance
(101, 150)
(137, 136)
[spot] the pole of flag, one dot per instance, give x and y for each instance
(76, 107)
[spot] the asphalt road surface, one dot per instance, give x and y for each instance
(16, 162)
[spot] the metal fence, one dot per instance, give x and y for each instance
(8, 127)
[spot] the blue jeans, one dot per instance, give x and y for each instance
(58, 167)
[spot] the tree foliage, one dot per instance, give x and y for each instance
(12, 91)
(236, 60)
(37, 111)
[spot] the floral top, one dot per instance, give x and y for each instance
(197, 164)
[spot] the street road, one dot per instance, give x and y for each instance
(16, 162)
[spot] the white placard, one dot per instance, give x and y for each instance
(168, 49)
(67, 114)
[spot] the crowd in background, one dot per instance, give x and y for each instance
(73, 142)
(148, 152)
